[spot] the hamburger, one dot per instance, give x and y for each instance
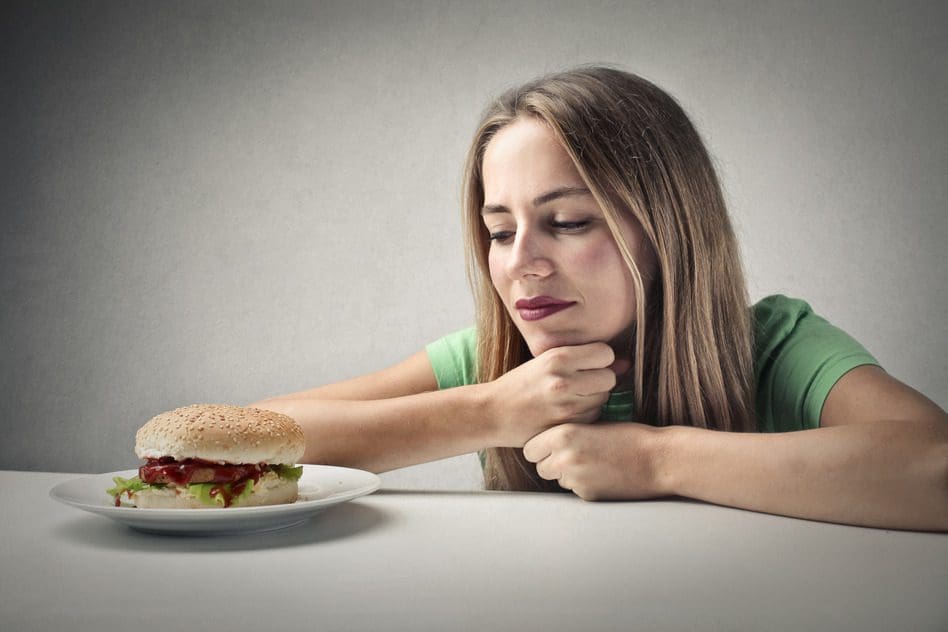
(214, 456)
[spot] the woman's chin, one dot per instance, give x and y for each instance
(541, 344)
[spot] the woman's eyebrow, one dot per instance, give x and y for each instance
(540, 200)
(562, 192)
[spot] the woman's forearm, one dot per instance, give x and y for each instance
(881, 474)
(386, 434)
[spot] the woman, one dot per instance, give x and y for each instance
(614, 353)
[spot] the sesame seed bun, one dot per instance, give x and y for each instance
(221, 433)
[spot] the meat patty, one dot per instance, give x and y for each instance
(196, 471)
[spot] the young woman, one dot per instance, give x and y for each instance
(615, 353)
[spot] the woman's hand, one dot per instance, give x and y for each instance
(563, 384)
(617, 461)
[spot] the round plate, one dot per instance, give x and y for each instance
(320, 486)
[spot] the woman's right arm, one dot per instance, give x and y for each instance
(386, 420)
(397, 417)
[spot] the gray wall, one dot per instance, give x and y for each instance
(227, 201)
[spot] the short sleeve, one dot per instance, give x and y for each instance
(454, 358)
(799, 356)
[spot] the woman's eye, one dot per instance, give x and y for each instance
(501, 235)
(570, 227)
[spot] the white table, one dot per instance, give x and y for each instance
(419, 560)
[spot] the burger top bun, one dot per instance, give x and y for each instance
(221, 433)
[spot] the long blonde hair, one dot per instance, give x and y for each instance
(639, 154)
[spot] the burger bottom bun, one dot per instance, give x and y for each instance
(269, 490)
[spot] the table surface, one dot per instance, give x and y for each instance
(440, 560)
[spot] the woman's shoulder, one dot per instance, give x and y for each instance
(798, 356)
(778, 318)
(774, 319)
(453, 358)
(779, 307)
(462, 341)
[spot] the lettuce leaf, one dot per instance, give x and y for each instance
(289, 472)
(202, 491)
(126, 486)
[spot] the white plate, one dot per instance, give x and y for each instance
(320, 486)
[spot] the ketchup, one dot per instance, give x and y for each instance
(167, 469)
(183, 472)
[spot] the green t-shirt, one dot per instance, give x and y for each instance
(798, 357)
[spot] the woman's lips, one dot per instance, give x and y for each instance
(539, 307)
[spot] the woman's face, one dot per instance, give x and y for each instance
(553, 260)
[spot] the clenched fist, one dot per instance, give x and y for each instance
(561, 385)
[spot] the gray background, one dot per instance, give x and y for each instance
(228, 201)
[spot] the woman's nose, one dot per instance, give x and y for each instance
(528, 256)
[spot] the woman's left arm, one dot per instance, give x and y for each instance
(879, 459)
